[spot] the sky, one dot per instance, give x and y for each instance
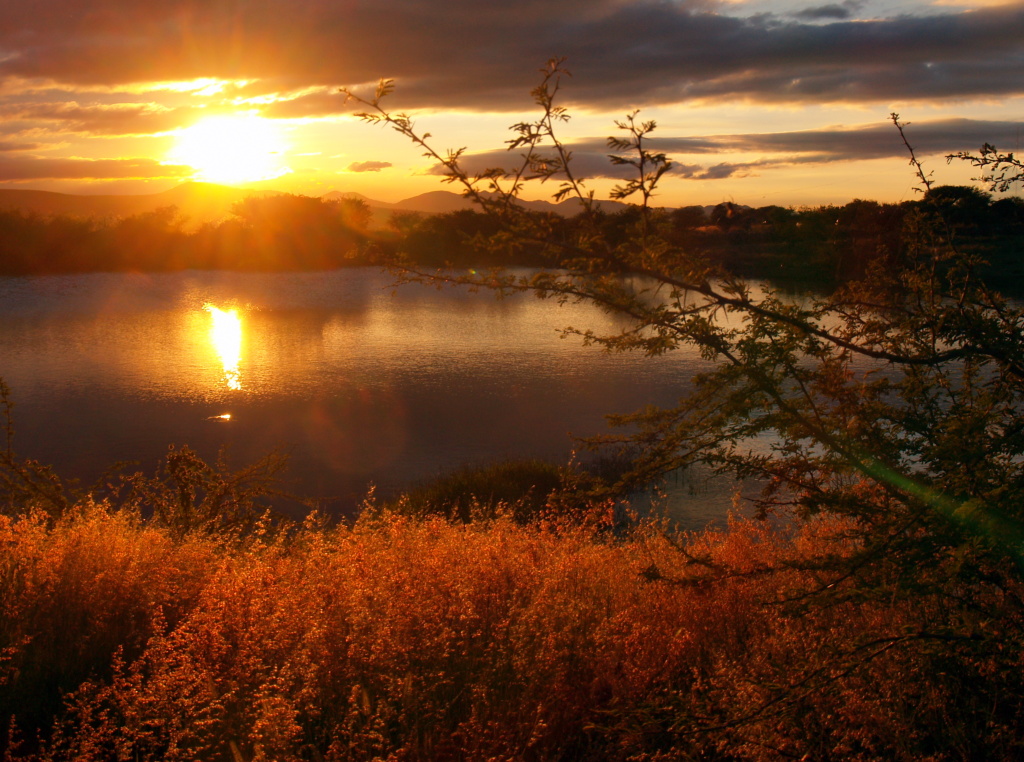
(757, 102)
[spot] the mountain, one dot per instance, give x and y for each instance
(197, 202)
(200, 203)
(433, 202)
(442, 202)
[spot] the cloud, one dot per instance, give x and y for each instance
(10, 145)
(464, 53)
(123, 67)
(368, 166)
(876, 141)
(30, 168)
(722, 171)
(828, 12)
(320, 102)
(589, 161)
(99, 119)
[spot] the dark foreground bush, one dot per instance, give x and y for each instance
(399, 638)
(472, 493)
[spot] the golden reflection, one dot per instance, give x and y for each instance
(226, 335)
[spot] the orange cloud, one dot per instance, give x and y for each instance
(368, 166)
(31, 168)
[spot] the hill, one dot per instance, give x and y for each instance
(198, 202)
(442, 202)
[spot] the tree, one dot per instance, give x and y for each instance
(960, 206)
(689, 217)
(729, 216)
(355, 213)
(892, 406)
(1002, 171)
(1008, 214)
(288, 230)
(404, 222)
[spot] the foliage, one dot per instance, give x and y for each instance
(397, 638)
(522, 487)
(25, 485)
(824, 245)
(279, 232)
(443, 238)
(76, 590)
(1002, 171)
(185, 496)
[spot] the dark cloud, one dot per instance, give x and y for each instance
(67, 66)
(99, 119)
(873, 142)
(368, 166)
(722, 171)
(589, 160)
(830, 12)
(30, 168)
(324, 101)
(484, 55)
(590, 157)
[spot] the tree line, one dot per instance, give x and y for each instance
(824, 244)
(281, 232)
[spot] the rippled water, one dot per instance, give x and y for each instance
(362, 383)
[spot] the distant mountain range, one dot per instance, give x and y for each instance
(206, 202)
(442, 202)
(198, 202)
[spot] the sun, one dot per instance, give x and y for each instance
(238, 148)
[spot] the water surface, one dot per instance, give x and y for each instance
(359, 381)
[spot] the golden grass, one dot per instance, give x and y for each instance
(407, 639)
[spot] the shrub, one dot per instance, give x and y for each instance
(398, 638)
(521, 487)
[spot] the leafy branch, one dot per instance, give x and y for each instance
(886, 402)
(1002, 171)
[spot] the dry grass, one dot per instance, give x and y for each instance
(407, 639)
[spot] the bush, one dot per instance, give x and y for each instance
(428, 639)
(521, 487)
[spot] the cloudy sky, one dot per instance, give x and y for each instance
(757, 101)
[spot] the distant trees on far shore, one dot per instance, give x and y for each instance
(827, 243)
(282, 232)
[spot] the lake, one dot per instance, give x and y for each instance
(360, 382)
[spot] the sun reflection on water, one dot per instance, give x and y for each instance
(226, 335)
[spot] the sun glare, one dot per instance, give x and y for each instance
(226, 335)
(231, 149)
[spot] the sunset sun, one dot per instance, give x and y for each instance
(231, 149)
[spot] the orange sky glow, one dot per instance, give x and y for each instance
(758, 102)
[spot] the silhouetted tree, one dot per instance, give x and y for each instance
(300, 232)
(893, 404)
(961, 206)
